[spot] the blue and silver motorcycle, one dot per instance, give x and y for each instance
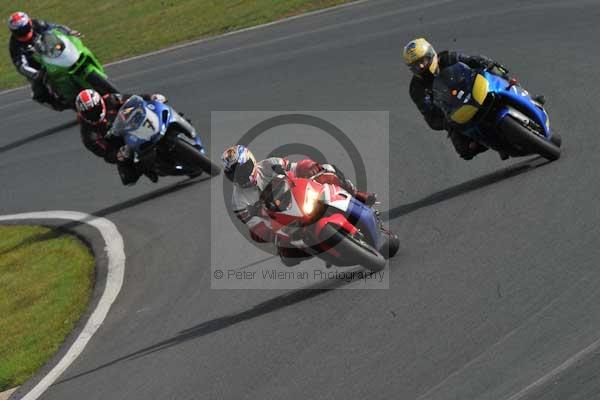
(495, 112)
(163, 142)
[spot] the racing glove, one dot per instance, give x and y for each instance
(38, 76)
(500, 69)
(123, 154)
(158, 97)
(307, 168)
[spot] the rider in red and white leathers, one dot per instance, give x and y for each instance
(251, 177)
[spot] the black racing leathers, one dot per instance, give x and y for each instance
(96, 139)
(94, 136)
(422, 95)
(21, 54)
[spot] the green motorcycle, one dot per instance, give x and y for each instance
(69, 67)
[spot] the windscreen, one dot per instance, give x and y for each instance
(49, 44)
(452, 87)
(131, 116)
(277, 195)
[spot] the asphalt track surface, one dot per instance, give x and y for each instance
(496, 283)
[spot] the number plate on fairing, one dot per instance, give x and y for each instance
(336, 197)
(148, 127)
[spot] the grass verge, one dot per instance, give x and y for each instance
(46, 279)
(115, 29)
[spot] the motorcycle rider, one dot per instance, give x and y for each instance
(425, 64)
(96, 114)
(250, 178)
(24, 30)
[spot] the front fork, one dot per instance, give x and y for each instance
(189, 130)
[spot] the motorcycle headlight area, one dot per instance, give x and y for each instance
(57, 50)
(310, 200)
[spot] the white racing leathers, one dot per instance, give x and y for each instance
(242, 197)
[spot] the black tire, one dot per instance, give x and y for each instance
(390, 246)
(101, 85)
(356, 252)
(556, 139)
(191, 157)
(518, 134)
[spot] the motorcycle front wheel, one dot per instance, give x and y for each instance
(353, 250)
(192, 158)
(518, 134)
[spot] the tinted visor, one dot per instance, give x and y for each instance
(93, 114)
(22, 31)
(420, 66)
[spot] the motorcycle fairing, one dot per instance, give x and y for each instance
(521, 100)
(363, 218)
(68, 56)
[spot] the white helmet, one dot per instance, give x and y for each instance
(238, 164)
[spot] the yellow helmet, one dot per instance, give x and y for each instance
(420, 56)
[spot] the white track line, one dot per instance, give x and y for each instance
(570, 362)
(114, 280)
(250, 28)
(279, 39)
(211, 38)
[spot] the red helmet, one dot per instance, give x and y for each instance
(90, 106)
(21, 26)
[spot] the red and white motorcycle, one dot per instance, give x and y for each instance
(326, 221)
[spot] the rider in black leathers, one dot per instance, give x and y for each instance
(24, 31)
(425, 64)
(96, 114)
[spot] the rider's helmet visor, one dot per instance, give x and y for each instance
(421, 65)
(94, 114)
(23, 32)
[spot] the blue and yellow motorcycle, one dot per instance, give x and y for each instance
(495, 112)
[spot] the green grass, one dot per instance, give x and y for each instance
(115, 29)
(46, 280)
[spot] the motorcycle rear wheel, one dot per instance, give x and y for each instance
(101, 84)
